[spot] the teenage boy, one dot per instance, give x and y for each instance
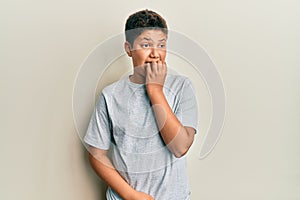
(147, 119)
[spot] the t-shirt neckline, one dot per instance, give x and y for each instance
(136, 85)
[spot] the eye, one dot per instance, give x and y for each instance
(145, 45)
(162, 46)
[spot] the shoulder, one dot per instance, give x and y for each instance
(110, 89)
(175, 80)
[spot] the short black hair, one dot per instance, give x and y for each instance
(143, 20)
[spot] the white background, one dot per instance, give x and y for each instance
(254, 44)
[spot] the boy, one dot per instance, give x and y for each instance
(147, 119)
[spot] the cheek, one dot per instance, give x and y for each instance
(142, 55)
(163, 55)
(139, 57)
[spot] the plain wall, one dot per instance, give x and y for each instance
(254, 44)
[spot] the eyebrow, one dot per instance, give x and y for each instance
(162, 40)
(149, 39)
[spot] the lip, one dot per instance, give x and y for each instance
(151, 61)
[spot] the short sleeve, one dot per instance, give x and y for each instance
(98, 133)
(187, 111)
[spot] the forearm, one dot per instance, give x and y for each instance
(177, 137)
(105, 170)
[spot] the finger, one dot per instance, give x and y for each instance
(159, 66)
(148, 68)
(164, 67)
(154, 67)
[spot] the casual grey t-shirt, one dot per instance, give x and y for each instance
(124, 121)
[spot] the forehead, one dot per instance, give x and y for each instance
(153, 35)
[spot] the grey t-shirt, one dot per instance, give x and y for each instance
(124, 122)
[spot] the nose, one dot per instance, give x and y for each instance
(154, 53)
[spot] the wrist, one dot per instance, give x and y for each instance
(131, 195)
(154, 88)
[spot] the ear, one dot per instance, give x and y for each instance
(127, 47)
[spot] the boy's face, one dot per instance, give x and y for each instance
(149, 46)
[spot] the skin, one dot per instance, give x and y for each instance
(148, 54)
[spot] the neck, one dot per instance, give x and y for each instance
(138, 76)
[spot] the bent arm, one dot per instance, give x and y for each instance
(177, 137)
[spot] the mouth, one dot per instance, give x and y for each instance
(151, 61)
